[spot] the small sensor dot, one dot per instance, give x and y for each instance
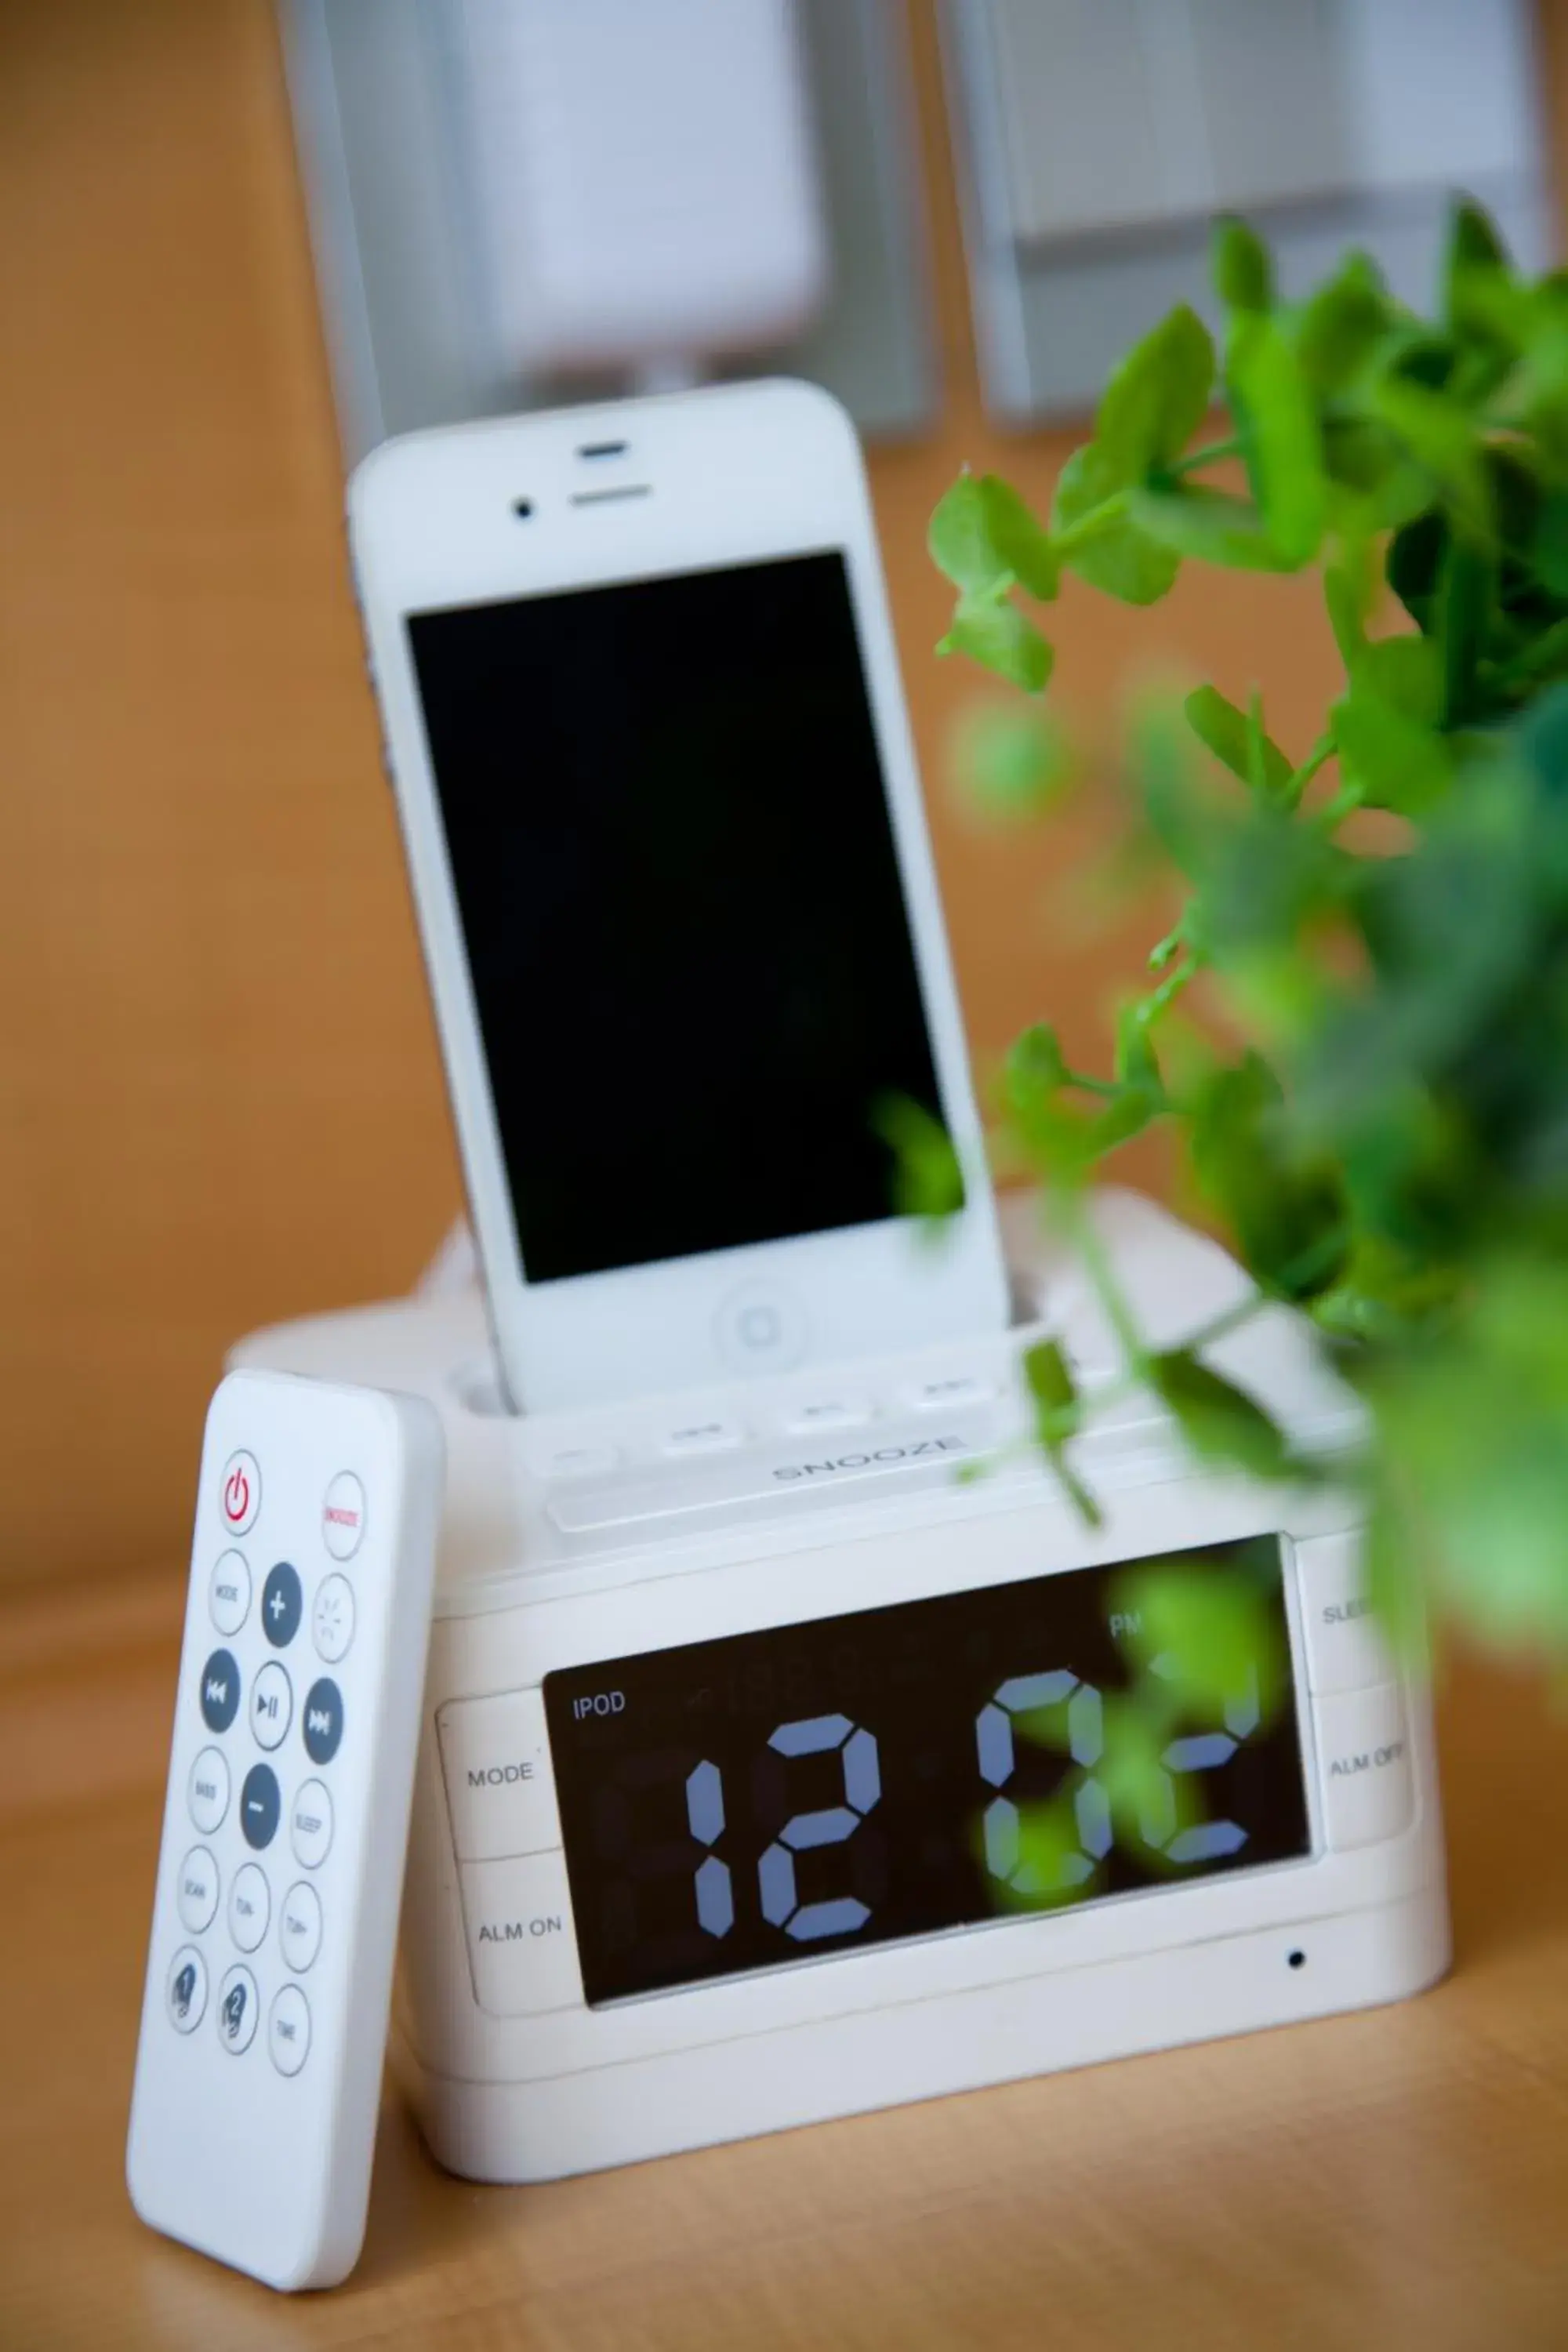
(1297, 1959)
(522, 508)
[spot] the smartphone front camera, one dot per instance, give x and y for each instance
(522, 508)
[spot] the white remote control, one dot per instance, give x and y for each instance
(275, 1919)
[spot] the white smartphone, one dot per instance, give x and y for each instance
(646, 729)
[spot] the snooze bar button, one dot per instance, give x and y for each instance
(500, 1790)
(1345, 1649)
(520, 1937)
(832, 1466)
(1369, 1787)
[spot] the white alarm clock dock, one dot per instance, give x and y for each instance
(717, 1825)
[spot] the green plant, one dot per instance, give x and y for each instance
(1387, 1149)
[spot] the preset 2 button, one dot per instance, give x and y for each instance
(237, 2010)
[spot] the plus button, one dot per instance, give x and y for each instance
(281, 1602)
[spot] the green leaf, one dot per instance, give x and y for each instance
(1149, 1805)
(1048, 1869)
(1211, 1636)
(1243, 268)
(1474, 241)
(1019, 539)
(1119, 559)
(984, 537)
(1440, 436)
(1395, 761)
(1340, 326)
(960, 542)
(1387, 726)
(1136, 1066)
(1281, 442)
(992, 632)
(1014, 761)
(1035, 1066)
(1219, 1421)
(1550, 547)
(1208, 524)
(1156, 398)
(1348, 594)
(1058, 1413)
(1465, 595)
(1392, 1561)
(1287, 1214)
(1475, 266)
(1405, 672)
(1049, 1378)
(927, 1178)
(1226, 731)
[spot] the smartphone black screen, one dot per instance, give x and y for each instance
(675, 870)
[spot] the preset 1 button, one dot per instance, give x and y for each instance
(185, 1992)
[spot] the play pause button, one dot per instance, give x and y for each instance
(219, 1691)
(323, 1720)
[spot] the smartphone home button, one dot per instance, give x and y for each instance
(760, 1330)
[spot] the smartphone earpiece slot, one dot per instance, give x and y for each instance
(603, 497)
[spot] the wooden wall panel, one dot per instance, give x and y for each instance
(220, 1097)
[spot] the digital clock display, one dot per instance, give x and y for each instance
(736, 1804)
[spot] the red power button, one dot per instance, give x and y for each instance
(240, 1495)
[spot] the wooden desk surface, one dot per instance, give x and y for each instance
(1397, 2177)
